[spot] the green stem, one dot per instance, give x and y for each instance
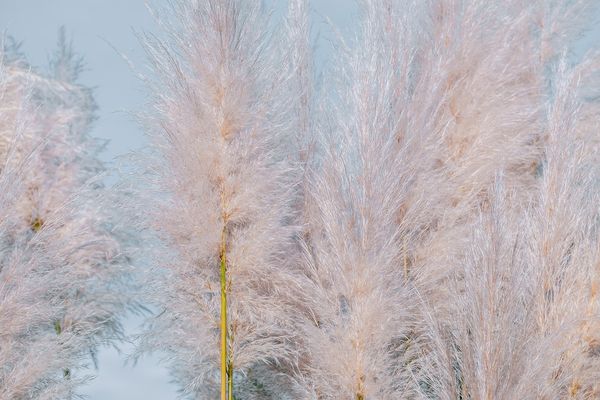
(224, 358)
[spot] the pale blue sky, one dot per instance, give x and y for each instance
(93, 24)
(96, 26)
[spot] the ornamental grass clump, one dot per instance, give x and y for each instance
(62, 272)
(419, 223)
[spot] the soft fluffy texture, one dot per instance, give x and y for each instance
(421, 225)
(61, 268)
(222, 169)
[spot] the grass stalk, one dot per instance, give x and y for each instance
(224, 359)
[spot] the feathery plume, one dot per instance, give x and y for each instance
(225, 179)
(360, 303)
(60, 265)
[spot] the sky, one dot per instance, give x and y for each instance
(103, 33)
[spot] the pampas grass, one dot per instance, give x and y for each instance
(421, 222)
(224, 180)
(421, 225)
(61, 269)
